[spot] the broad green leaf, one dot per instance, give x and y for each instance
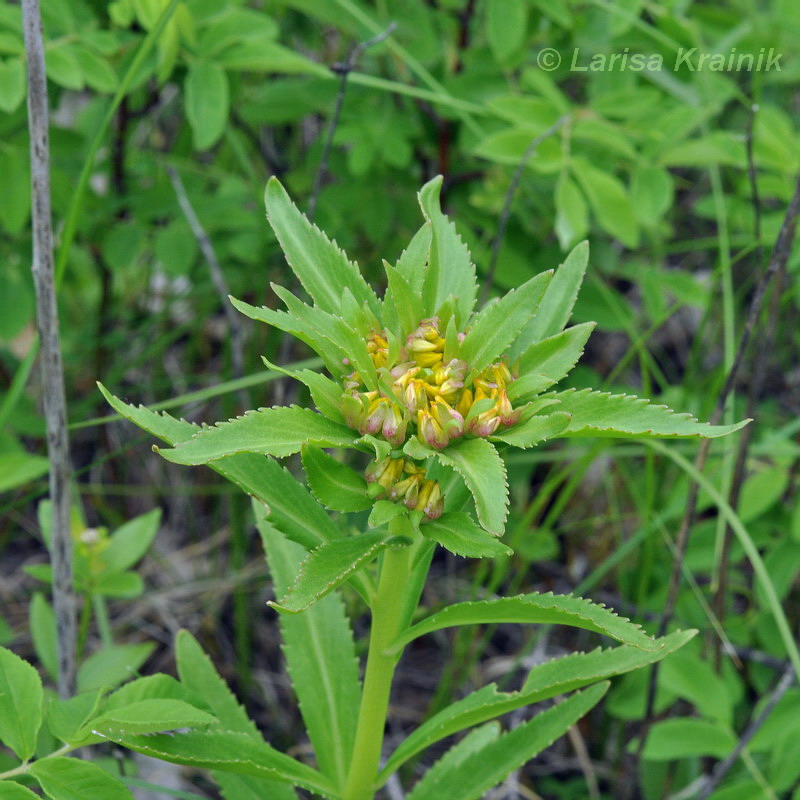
(719, 147)
(112, 665)
(499, 323)
(626, 416)
(278, 431)
(290, 506)
(12, 84)
(506, 27)
(326, 394)
(66, 718)
(150, 716)
(131, 541)
(16, 791)
(44, 633)
(535, 430)
(609, 201)
(72, 779)
(18, 468)
(482, 469)
(692, 678)
(230, 752)
(383, 511)
(63, 68)
(450, 270)
(153, 687)
(321, 660)
(652, 194)
(334, 484)
(246, 787)
(207, 99)
(119, 584)
(553, 357)
(21, 700)
(572, 216)
(555, 677)
(468, 778)
(559, 609)
(330, 565)
(413, 261)
(97, 71)
(457, 532)
(687, 738)
(556, 307)
(322, 268)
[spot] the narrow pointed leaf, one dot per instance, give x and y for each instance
(246, 787)
(413, 261)
(499, 323)
(626, 416)
(21, 698)
(334, 484)
(278, 431)
(151, 716)
(450, 271)
(72, 779)
(326, 394)
(330, 565)
(470, 777)
(556, 308)
(321, 660)
(457, 532)
(402, 301)
(549, 608)
(482, 469)
(535, 430)
(320, 265)
(555, 677)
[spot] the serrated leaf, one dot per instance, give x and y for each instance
(246, 787)
(401, 302)
(482, 469)
(470, 777)
(321, 660)
(535, 430)
(319, 264)
(112, 665)
(456, 532)
(544, 681)
(230, 752)
(150, 716)
(499, 323)
(278, 431)
(65, 718)
(334, 484)
(450, 270)
(71, 779)
(559, 609)
(559, 299)
(21, 698)
(413, 261)
(330, 565)
(152, 687)
(326, 394)
(626, 416)
(131, 541)
(383, 511)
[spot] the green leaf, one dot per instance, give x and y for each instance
(97, 71)
(44, 634)
(198, 674)
(150, 716)
(450, 270)
(720, 147)
(535, 608)
(500, 322)
(687, 738)
(626, 416)
(62, 67)
(246, 787)
(119, 584)
(66, 718)
(319, 264)
(556, 307)
(16, 307)
(12, 84)
(544, 681)
(482, 469)
(401, 303)
(131, 541)
(278, 431)
(71, 779)
(610, 203)
(21, 700)
(207, 100)
(326, 394)
(16, 791)
(572, 216)
(330, 565)
(321, 660)
(383, 511)
(112, 665)
(230, 752)
(153, 687)
(506, 27)
(460, 535)
(333, 483)
(652, 194)
(413, 262)
(18, 468)
(535, 430)
(261, 56)
(470, 776)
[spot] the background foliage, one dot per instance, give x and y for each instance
(680, 179)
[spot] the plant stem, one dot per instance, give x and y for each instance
(387, 612)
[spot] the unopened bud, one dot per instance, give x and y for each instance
(430, 431)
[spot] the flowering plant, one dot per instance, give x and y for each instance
(425, 390)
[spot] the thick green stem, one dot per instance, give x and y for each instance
(387, 619)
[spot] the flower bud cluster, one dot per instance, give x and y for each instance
(427, 394)
(403, 481)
